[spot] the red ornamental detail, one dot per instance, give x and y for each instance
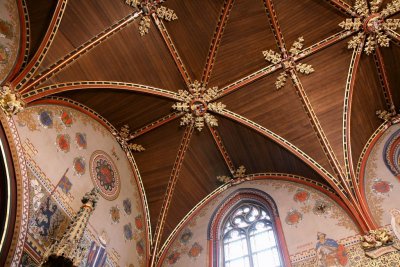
(174, 257)
(63, 142)
(139, 222)
(66, 118)
(301, 196)
(140, 247)
(104, 175)
(79, 166)
(195, 250)
(381, 187)
(293, 217)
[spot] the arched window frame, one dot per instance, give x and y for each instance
(229, 204)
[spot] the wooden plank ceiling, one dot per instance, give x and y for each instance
(302, 129)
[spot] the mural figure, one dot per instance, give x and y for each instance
(45, 217)
(329, 252)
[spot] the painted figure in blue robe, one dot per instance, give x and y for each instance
(329, 252)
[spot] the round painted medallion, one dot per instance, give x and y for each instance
(66, 118)
(104, 175)
(46, 118)
(79, 166)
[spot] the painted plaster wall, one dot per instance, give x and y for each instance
(9, 36)
(60, 146)
(300, 220)
(382, 187)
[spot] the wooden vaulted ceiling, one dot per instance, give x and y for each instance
(307, 128)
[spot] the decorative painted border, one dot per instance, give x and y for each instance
(22, 192)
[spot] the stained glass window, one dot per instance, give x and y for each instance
(249, 239)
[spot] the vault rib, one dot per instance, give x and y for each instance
(37, 59)
(276, 30)
(226, 9)
(221, 148)
(90, 85)
(80, 51)
(321, 45)
(154, 125)
(172, 49)
(248, 79)
(345, 8)
(351, 181)
(170, 191)
(383, 77)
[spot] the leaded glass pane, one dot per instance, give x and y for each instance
(249, 239)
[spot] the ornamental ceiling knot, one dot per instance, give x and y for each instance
(288, 62)
(10, 100)
(124, 136)
(196, 103)
(149, 7)
(373, 26)
(237, 177)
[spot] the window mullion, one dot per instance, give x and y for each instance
(249, 250)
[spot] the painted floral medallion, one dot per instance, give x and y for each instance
(66, 118)
(80, 139)
(301, 196)
(46, 118)
(127, 206)
(140, 247)
(195, 250)
(381, 187)
(104, 175)
(79, 166)
(293, 217)
(63, 142)
(128, 232)
(115, 214)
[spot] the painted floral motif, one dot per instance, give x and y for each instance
(115, 214)
(293, 217)
(46, 118)
(128, 232)
(173, 257)
(140, 247)
(6, 29)
(381, 187)
(104, 175)
(186, 236)
(80, 139)
(139, 222)
(301, 196)
(79, 166)
(321, 208)
(195, 250)
(127, 206)
(66, 118)
(63, 142)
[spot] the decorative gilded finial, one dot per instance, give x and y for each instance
(68, 251)
(375, 28)
(288, 63)
(196, 103)
(237, 177)
(146, 8)
(124, 136)
(10, 100)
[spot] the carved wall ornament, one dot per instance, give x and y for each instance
(10, 100)
(385, 115)
(237, 177)
(288, 62)
(148, 7)
(124, 136)
(377, 243)
(195, 104)
(373, 26)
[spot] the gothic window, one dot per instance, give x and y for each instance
(249, 239)
(245, 231)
